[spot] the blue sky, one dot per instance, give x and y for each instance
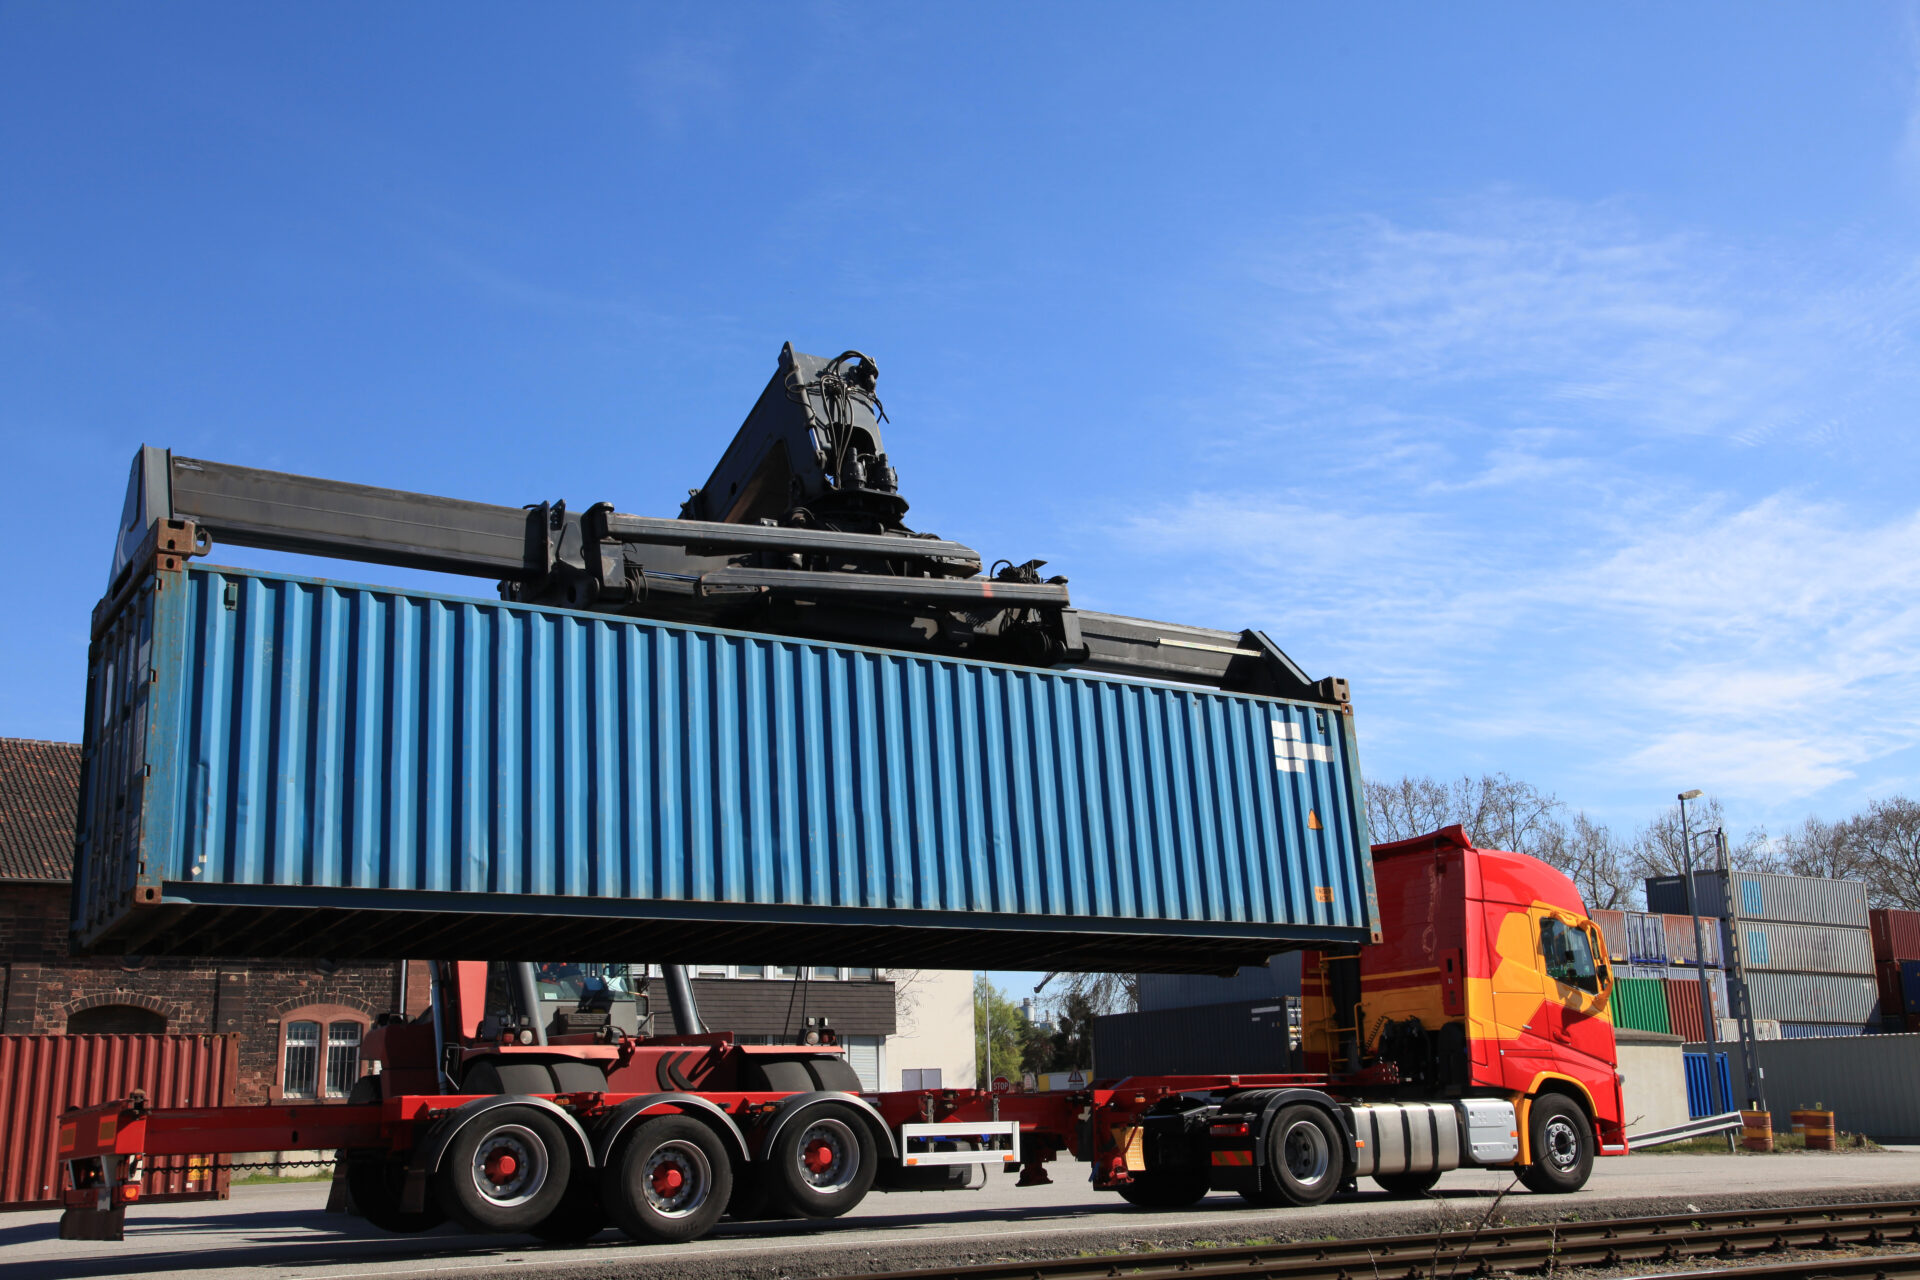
(1547, 372)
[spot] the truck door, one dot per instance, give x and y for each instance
(1577, 986)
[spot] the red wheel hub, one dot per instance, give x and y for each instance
(667, 1181)
(500, 1166)
(818, 1157)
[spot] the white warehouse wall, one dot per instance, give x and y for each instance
(933, 1009)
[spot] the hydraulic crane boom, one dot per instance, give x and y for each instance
(797, 531)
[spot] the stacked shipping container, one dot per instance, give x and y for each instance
(1896, 957)
(1805, 949)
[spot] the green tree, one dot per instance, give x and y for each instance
(1009, 1026)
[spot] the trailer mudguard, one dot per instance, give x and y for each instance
(789, 1107)
(607, 1133)
(428, 1152)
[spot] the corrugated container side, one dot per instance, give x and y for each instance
(1893, 998)
(1245, 1037)
(1646, 938)
(1650, 972)
(1683, 1009)
(1896, 934)
(319, 745)
(1613, 928)
(1819, 1030)
(1680, 940)
(1910, 986)
(1641, 1003)
(1765, 896)
(1700, 1102)
(1805, 948)
(1716, 985)
(1812, 997)
(43, 1076)
(1278, 980)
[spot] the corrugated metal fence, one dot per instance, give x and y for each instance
(1870, 1083)
(43, 1076)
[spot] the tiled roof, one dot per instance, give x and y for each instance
(39, 788)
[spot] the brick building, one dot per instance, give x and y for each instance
(300, 1024)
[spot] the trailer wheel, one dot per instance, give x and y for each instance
(375, 1180)
(1304, 1156)
(669, 1180)
(506, 1170)
(823, 1163)
(1165, 1188)
(579, 1218)
(1407, 1185)
(1561, 1139)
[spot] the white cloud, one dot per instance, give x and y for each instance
(1572, 498)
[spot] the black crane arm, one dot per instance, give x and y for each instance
(833, 563)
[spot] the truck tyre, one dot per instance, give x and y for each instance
(376, 1176)
(822, 1163)
(375, 1179)
(506, 1170)
(579, 1218)
(1407, 1185)
(1165, 1188)
(669, 1180)
(1304, 1155)
(1560, 1138)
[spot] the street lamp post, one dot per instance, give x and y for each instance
(1715, 1098)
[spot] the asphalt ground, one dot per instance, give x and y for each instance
(269, 1232)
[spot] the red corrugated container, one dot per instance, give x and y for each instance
(1892, 998)
(1683, 1009)
(43, 1076)
(1613, 928)
(1896, 934)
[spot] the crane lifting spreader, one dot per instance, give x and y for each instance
(797, 532)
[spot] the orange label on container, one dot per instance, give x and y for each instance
(1313, 821)
(1322, 893)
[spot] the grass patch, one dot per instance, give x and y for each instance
(274, 1179)
(1716, 1145)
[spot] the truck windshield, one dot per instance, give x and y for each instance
(566, 981)
(1568, 954)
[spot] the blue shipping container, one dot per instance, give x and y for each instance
(1910, 984)
(1699, 1103)
(352, 772)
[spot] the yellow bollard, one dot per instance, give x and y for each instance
(1758, 1133)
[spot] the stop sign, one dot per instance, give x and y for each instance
(1001, 1084)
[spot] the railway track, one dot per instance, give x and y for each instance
(1457, 1255)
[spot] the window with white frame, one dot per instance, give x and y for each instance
(320, 1052)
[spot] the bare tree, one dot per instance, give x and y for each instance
(1101, 993)
(1589, 854)
(1407, 808)
(1887, 840)
(1829, 850)
(1655, 848)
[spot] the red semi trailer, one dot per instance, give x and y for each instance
(1475, 1034)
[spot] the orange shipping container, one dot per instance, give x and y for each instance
(43, 1076)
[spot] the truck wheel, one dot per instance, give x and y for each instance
(669, 1180)
(375, 1179)
(1165, 1188)
(823, 1163)
(1303, 1155)
(1407, 1185)
(1561, 1139)
(579, 1218)
(506, 1170)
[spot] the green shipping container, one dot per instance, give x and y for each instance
(1641, 1003)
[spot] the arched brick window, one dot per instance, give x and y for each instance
(319, 1056)
(116, 1020)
